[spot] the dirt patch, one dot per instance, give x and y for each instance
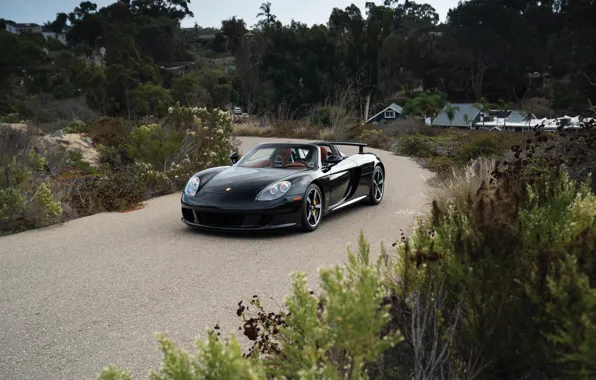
(76, 142)
(72, 141)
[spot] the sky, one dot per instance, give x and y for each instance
(208, 13)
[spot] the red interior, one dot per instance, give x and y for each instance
(285, 154)
(324, 153)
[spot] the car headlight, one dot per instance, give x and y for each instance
(274, 191)
(192, 186)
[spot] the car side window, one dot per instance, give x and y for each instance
(261, 154)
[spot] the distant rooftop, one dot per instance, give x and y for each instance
(23, 25)
(518, 116)
(463, 115)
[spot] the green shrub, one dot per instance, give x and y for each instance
(485, 144)
(331, 336)
(414, 145)
(214, 360)
(375, 138)
(150, 99)
(500, 257)
(76, 126)
(441, 165)
(11, 118)
(323, 116)
(26, 200)
(154, 144)
(207, 141)
(75, 158)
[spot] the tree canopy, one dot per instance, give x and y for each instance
(485, 49)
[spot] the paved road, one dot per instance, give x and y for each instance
(76, 297)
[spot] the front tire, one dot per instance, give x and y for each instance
(377, 186)
(312, 208)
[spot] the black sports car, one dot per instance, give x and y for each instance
(278, 185)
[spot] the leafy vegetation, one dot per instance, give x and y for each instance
(134, 60)
(135, 163)
(334, 335)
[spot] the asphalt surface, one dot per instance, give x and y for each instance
(94, 291)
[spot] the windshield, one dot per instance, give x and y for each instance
(286, 156)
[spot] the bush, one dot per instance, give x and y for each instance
(26, 200)
(331, 336)
(323, 116)
(76, 126)
(114, 190)
(375, 138)
(154, 144)
(508, 268)
(110, 131)
(150, 99)
(486, 144)
(414, 145)
(11, 118)
(441, 165)
(207, 140)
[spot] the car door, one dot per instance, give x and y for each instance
(340, 176)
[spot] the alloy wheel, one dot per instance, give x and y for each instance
(313, 207)
(378, 184)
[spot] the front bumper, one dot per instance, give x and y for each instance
(253, 216)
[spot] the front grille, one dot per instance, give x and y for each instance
(223, 220)
(188, 215)
(226, 220)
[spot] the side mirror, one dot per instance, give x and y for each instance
(333, 159)
(234, 157)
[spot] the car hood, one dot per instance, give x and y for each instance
(242, 180)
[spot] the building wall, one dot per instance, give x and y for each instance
(11, 29)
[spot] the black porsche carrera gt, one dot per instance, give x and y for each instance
(279, 185)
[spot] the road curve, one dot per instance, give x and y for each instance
(79, 296)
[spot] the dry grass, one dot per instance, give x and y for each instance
(252, 130)
(458, 185)
(289, 129)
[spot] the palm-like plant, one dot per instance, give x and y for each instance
(483, 107)
(503, 106)
(450, 111)
(528, 115)
(265, 10)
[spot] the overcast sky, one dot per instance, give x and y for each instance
(207, 12)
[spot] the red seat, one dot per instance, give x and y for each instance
(324, 153)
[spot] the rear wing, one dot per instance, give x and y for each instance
(359, 145)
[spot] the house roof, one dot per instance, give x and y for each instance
(393, 106)
(459, 115)
(23, 25)
(518, 116)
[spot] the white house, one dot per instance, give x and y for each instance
(16, 28)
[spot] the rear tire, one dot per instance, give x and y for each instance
(377, 186)
(312, 208)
